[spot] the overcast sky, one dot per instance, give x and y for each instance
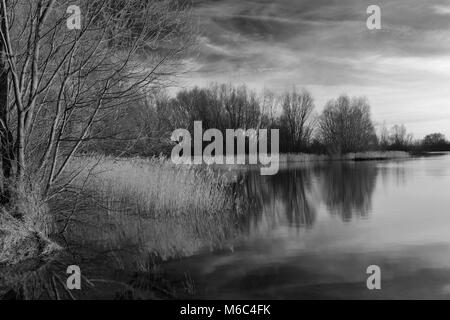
(325, 46)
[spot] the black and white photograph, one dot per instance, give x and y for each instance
(246, 151)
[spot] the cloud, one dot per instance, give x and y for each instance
(325, 45)
(444, 10)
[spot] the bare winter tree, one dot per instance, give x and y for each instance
(269, 108)
(241, 106)
(57, 84)
(383, 140)
(297, 118)
(399, 138)
(346, 126)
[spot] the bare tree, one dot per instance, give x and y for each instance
(56, 84)
(297, 118)
(384, 137)
(346, 126)
(5, 132)
(241, 106)
(269, 108)
(399, 138)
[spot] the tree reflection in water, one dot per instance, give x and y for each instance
(347, 188)
(292, 197)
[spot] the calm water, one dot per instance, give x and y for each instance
(314, 230)
(311, 233)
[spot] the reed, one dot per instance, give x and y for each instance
(154, 207)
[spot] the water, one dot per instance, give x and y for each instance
(311, 232)
(315, 229)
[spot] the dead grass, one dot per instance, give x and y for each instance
(19, 243)
(25, 225)
(153, 206)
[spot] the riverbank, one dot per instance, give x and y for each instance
(359, 156)
(285, 160)
(25, 226)
(127, 215)
(19, 243)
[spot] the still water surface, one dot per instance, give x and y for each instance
(311, 233)
(314, 231)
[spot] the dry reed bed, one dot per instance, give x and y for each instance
(153, 206)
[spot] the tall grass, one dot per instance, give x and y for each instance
(154, 207)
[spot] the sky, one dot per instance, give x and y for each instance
(326, 47)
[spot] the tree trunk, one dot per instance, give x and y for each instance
(20, 145)
(6, 138)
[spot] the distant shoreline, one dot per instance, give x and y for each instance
(286, 158)
(358, 156)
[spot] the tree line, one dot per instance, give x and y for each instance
(345, 125)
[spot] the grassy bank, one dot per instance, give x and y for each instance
(25, 226)
(120, 218)
(19, 242)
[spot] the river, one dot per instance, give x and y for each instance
(315, 229)
(311, 232)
